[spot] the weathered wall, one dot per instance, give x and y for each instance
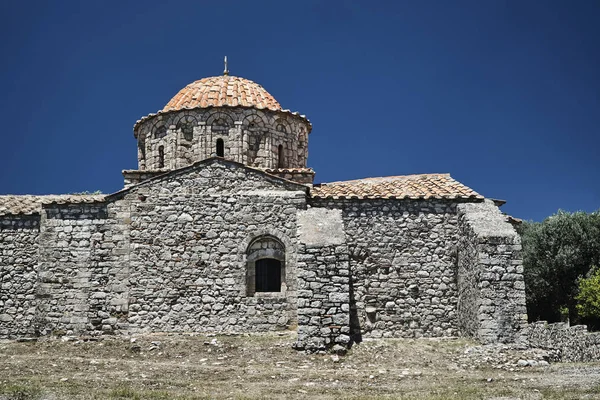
(18, 274)
(402, 263)
(574, 343)
(189, 235)
(491, 289)
(467, 280)
(180, 251)
(83, 269)
(323, 281)
(251, 137)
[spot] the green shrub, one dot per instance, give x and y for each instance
(588, 299)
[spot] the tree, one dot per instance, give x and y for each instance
(556, 254)
(588, 299)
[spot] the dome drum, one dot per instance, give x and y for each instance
(257, 138)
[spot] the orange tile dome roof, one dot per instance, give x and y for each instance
(220, 91)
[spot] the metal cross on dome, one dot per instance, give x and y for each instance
(226, 71)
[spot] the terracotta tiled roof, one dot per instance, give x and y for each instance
(221, 91)
(218, 91)
(30, 204)
(426, 186)
(289, 170)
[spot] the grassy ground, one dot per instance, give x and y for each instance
(265, 367)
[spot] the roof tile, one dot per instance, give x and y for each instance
(218, 91)
(425, 186)
(31, 204)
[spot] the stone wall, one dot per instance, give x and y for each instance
(491, 289)
(402, 264)
(18, 275)
(181, 252)
(251, 137)
(191, 232)
(83, 269)
(323, 281)
(133, 177)
(573, 343)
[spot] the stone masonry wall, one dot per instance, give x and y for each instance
(83, 269)
(323, 281)
(190, 233)
(402, 264)
(467, 277)
(574, 344)
(491, 303)
(251, 137)
(18, 274)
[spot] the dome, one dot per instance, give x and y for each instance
(220, 91)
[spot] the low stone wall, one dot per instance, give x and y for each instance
(18, 274)
(574, 344)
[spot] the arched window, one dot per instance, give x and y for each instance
(280, 157)
(161, 156)
(265, 266)
(142, 153)
(188, 130)
(220, 148)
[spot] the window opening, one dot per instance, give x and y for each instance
(268, 275)
(280, 157)
(161, 157)
(188, 130)
(220, 148)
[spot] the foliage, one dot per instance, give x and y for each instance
(588, 299)
(556, 254)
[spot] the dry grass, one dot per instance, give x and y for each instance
(265, 367)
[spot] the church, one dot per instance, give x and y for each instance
(222, 229)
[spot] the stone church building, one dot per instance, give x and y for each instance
(222, 229)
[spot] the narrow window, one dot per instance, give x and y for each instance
(268, 275)
(280, 157)
(161, 157)
(220, 148)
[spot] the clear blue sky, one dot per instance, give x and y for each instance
(503, 95)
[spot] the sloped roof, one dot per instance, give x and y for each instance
(32, 204)
(424, 186)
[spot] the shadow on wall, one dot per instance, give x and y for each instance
(355, 330)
